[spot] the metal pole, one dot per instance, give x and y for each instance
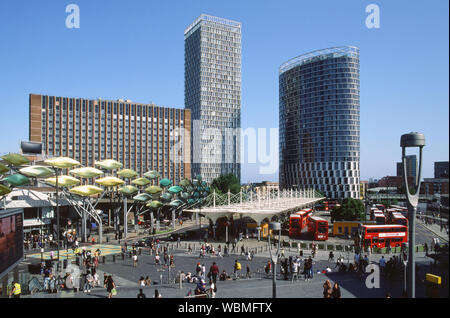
(57, 213)
(412, 253)
(125, 223)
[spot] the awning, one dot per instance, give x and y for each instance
(33, 222)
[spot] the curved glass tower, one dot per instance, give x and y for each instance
(319, 122)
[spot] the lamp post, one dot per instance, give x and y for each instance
(412, 139)
(274, 226)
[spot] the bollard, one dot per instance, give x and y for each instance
(104, 259)
(114, 258)
(107, 239)
(185, 246)
(123, 256)
(140, 251)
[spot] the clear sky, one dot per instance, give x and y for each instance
(135, 50)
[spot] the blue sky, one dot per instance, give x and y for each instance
(135, 50)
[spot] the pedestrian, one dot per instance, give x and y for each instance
(110, 287)
(382, 264)
(141, 281)
(214, 270)
(331, 257)
(336, 292)
(327, 290)
(135, 260)
(89, 280)
(157, 259)
(16, 290)
(157, 294)
(213, 290)
(148, 281)
(141, 294)
(248, 275)
(237, 269)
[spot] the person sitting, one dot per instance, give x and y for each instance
(201, 288)
(223, 276)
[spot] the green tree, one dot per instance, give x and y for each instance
(226, 182)
(350, 210)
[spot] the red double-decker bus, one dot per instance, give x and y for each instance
(318, 228)
(330, 205)
(298, 221)
(398, 218)
(383, 235)
(379, 218)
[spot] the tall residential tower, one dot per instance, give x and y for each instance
(319, 122)
(213, 94)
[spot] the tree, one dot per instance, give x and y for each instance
(226, 182)
(350, 210)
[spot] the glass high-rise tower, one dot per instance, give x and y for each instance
(320, 122)
(213, 94)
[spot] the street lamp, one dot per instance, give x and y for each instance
(274, 226)
(412, 139)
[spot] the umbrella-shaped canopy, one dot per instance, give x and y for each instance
(184, 182)
(141, 181)
(154, 204)
(153, 189)
(109, 181)
(166, 196)
(176, 203)
(127, 173)
(86, 190)
(175, 189)
(17, 180)
(37, 171)
(152, 174)
(165, 182)
(4, 189)
(109, 164)
(86, 172)
(15, 159)
(63, 181)
(191, 201)
(143, 197)
(3, 168)
(185, 195)
(62, 162)
(128, 189)
(198, 177)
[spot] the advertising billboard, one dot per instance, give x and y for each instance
(11, 239)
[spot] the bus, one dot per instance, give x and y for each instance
(398, 218)
(318, 228)
(379, 218)
(380, 207)
(298, 221)
(374, 211)
(330, 205)
(380, 236)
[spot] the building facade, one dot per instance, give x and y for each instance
(411, 167)
(319, 122)
(441, 169)
(213, 94)
(142, 137)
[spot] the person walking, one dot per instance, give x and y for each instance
(237, 269)
(88, 282)
(135, 260)
(214, 270)
(382, 264)
(157, 294)
(336, 292)
(141, 294)
(248, 274)
(110, 287)
(327, 290)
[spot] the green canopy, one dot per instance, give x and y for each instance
(17, 180)
(127, 173)
(128, 189)
(185, 195)
(166, 196)
(109, 181)
(184, 182)
(165, 182)
(191, 201)
(86, 190)
(154, 204)
(141, 181)
(15, 159)
(63, 181)
(3, 168)
(37, 171)
(143, 197)
(176, 203)
(86, 172)
(175, 189)
(4, 189)
(153, 189)
(62, 162)
(152, 174)
(109, 164)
